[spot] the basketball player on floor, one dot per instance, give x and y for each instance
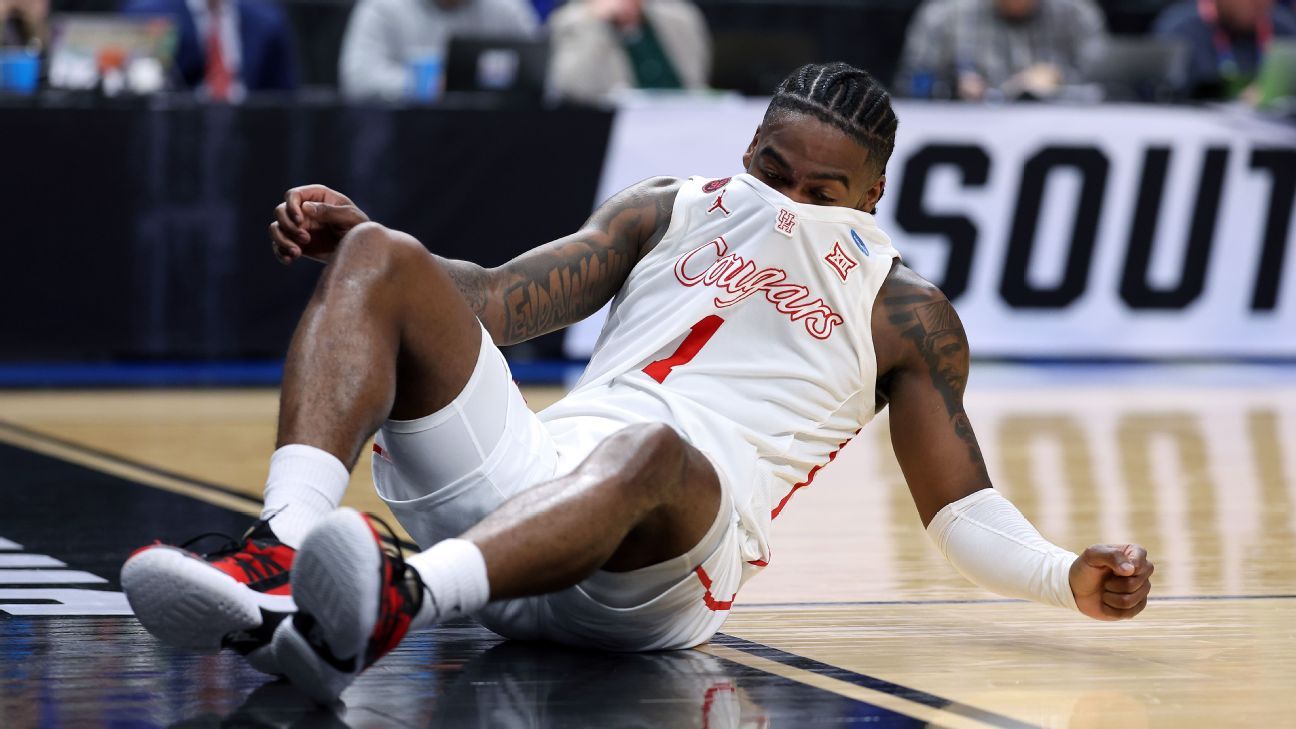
(757, 323)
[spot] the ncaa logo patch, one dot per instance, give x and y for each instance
(859, 242)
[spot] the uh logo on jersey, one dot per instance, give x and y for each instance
(741, 280)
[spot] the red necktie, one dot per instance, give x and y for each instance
(219, 79)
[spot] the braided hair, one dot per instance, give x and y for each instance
(847, 98)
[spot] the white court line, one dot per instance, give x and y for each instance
(29, 560)
(49, 577)
(65, 602)
(930, 715)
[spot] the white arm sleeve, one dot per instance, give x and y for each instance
(989, 542)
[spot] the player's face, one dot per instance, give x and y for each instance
(813, 162)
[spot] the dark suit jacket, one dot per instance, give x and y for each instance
(268, 60)
(1183, 22)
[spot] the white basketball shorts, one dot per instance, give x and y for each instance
(443, 473)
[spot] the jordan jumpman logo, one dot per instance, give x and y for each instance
(719, 205)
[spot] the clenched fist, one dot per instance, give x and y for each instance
(1110, 581)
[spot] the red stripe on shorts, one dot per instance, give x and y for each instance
(708, 598)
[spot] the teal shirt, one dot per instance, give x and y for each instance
(652, 69)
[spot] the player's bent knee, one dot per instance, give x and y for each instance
(371, 248)
(658, 442)
(368, 232)
(652, 457)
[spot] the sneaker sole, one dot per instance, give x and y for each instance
(304, 668)
(187, 603)
(337, 578)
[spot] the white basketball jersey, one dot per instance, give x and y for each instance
(748, 329)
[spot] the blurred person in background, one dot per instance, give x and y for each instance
(228, 47)
(384, 37)
(987, 49)
(24, 24)
(601, 47)
(1226, 41)
(545, 8)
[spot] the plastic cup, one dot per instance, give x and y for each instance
(19, 72)
(425, 78)
(924, 83)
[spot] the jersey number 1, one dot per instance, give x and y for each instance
(699, 334)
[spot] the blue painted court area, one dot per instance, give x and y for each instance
(991, 373)
(213, 374)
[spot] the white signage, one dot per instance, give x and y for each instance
(1109, 231)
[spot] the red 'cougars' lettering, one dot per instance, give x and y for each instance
(740, 278)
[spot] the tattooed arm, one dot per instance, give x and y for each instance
(542, 290)
(923, 366)
(923, 355)
(562, 282)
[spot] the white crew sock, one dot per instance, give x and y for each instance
(454, 573)
(305, 484)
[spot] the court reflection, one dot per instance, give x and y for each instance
(463, 676)
(516, 685)
(1203, 478)
(108, 672)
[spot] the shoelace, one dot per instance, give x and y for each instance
(388, 629)
(256, 565)
(231, 544)
(390, 545)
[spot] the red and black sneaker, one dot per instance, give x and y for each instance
(233, 597)
(356, 601)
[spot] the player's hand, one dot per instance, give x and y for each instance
(1110, 581)
(311, 221)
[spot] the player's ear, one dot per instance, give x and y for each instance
(874, 195)
(751, 150)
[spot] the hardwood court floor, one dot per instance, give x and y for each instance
(858, 604)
